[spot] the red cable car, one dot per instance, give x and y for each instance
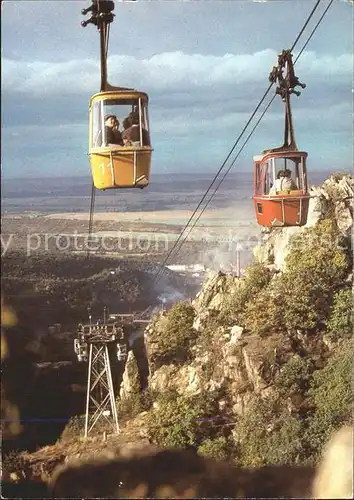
(281, 196)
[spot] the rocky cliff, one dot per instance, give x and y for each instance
(254, 371)
(261, 346)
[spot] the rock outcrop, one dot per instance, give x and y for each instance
(210, 299)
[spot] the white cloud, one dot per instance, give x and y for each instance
(169, 71)
(199, 105)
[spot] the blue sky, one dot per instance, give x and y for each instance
(204, 64)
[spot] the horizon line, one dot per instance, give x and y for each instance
(197, 172)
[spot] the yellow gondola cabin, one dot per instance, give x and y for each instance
(119, 139)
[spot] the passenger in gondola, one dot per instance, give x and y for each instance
(113, 135)
(283, 182)
(126, 126)
(132, 134)
(289, 180)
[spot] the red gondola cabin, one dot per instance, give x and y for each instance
(281, 200)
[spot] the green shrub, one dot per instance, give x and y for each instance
(268, 434)
(134, 404)
(301, 297)
(340, 323)
(74, 428)
(316, 268)
(220, 448)
(177, 336)
(337, 176)
(264, 314)
(294, 377)
(256, 278)
(210, 342)
(181, 421)
(331, 395)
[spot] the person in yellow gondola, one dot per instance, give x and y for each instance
(113, 135)
(126, 126)
(132, 134)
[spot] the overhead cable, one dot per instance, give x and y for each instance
(249, 136)
(161, 270)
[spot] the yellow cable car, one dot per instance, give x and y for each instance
(119, 139)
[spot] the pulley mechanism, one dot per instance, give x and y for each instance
(101, 16)
(101, 12)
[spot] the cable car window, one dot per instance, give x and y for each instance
(97, 124)
(286, 173)
(301, 173)
(145, 122)
(258, 179)
(120, 122)
(265, 177)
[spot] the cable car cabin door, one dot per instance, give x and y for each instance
(119, 142)
(281, 200)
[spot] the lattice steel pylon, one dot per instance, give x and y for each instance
(100, 392)
(93, 343)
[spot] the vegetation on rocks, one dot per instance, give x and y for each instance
(268, 434)
(302, 296)
(181, 422)
(256, 278)
(278, 342)
(74, 428)
(341, 320)
(176, 334)
(331, 396)
(220, 448)
(135, 403)
(264, 375)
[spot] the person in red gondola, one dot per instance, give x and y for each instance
(289, 180)
(283, 182)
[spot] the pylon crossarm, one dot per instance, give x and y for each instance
(99, 412)
(95, 402)
(99, 350)
(103, 403)
(95, 417)
(100, 380)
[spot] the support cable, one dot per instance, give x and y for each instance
(254, 128)
(225, 174)
(92, 213)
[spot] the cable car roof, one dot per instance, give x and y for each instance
(119, 95)
(278, 154)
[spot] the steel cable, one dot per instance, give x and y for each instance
(161, 270)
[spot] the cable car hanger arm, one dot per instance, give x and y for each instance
(286, 86)
(102, 17)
